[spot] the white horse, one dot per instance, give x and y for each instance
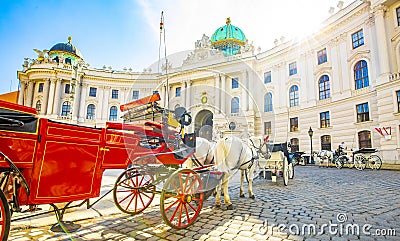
(325, 155)
(228, 154)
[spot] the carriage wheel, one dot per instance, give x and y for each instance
(5, 217)
(291, 170)
(285, 171)
(339, 162)
(359, 162)
(181, 200)
(375, 162)
(133, 191)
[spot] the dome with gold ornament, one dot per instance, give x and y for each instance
(228, 39)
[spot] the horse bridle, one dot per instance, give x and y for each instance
(259, 151)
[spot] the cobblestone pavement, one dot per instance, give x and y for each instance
(337, 204)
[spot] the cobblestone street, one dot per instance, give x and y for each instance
(318, 204)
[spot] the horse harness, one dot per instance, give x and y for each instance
(251, 161)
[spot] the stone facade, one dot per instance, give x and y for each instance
(342, 81)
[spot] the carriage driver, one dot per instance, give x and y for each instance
(341, 148)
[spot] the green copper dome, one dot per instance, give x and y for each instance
(228, 38)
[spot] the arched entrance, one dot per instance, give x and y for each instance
(203, 124)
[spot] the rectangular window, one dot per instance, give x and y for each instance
(92, 92)
(135, 95)
(178, 91)
(362, 112)
(322, 58)
(267, 128)
(235, 83)
(292, 68)
(114, 94)
(398, 16)
(40, 87)
(325, 119)
(267, 77)
(357, 39)
(398, 100)
(67, 88)
(294, 124)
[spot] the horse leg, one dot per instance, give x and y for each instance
(250, 184)
(218, 196)
(218, 188)
(227, 200)
(242, 172)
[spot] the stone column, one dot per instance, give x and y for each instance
(243, 86)
(224, 93)
(57, 98)
(21, 95)
(106, 97)
(99, 112)
(29, 96)
(77, 100)
(51, 97)
(189, 94)
(45, 96)
(251, 90)
(82, 105)
(183, 93)
(379, 13)
(217, 88)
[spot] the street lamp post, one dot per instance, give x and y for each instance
(310, 133)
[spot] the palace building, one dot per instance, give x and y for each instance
(343, 82)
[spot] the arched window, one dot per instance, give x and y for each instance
(364, 139)
(113, 113)
(90, 115)
(38, 106)
(268, 102)
(66, 108)
(326, 142)
(294, 95)
(324, 87)
(361, 74)
(235, 105)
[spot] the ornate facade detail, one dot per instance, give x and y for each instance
(203, 50)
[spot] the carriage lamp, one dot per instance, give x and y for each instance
(310, 133)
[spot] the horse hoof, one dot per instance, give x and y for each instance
(252, 197)
(218, 205)
(229, 207)
(242, 195)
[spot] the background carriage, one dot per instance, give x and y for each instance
(273, 160)
(47, 162)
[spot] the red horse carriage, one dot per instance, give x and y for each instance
(47, 162)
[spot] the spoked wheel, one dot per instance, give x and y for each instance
(5, 217)
(133, 191)
(181, 199)
(375, 162)
(291, 170)
(359, 162)
(339, 162)
(285, 171)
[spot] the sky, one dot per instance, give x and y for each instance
(125, 33)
